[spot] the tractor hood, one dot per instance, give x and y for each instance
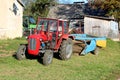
(38, 36)
(34, 43)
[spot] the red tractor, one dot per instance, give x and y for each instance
(50, 35)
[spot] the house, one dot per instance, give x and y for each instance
(101, 26)
(11, 13)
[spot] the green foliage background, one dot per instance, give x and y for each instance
(39, 8)
(112, 7)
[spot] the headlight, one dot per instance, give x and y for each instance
(40, 39)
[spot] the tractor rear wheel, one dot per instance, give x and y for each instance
(47, 58)
(66, 49)
(20, 55)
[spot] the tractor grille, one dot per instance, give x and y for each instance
(32, 44)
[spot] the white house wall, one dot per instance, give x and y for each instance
(11, 23)
(104, 30)
(3, 18)
(91, 22)
(114, 32)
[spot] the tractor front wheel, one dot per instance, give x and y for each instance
(47, 58)
(66, 49)
(20, 55)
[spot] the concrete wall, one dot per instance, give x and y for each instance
(119, 26)
(101, 27)
(10, 19)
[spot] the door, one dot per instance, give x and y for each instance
(54, 33)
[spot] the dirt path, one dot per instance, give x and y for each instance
(77, 47)
(6, 53)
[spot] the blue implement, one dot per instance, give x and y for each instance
(92, 39)
(89, 47)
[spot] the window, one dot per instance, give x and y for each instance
(15, 9)
(65, 27)
(43, 23)
(60, 26)
(53, 25)
(32, 20)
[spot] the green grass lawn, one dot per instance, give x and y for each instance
(105, 66)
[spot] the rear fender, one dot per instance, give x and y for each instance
(63, 37)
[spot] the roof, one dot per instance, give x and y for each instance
(53, 19)
(98, 17)
(21, 3)
(79, 2)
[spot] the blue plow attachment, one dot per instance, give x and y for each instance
(88, 47)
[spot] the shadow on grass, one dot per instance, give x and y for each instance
(56, 55)
(27, 56)
(14, 55)
(39, 58)
(30, 57)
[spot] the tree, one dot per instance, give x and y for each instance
(112, 7)
(39, 8)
